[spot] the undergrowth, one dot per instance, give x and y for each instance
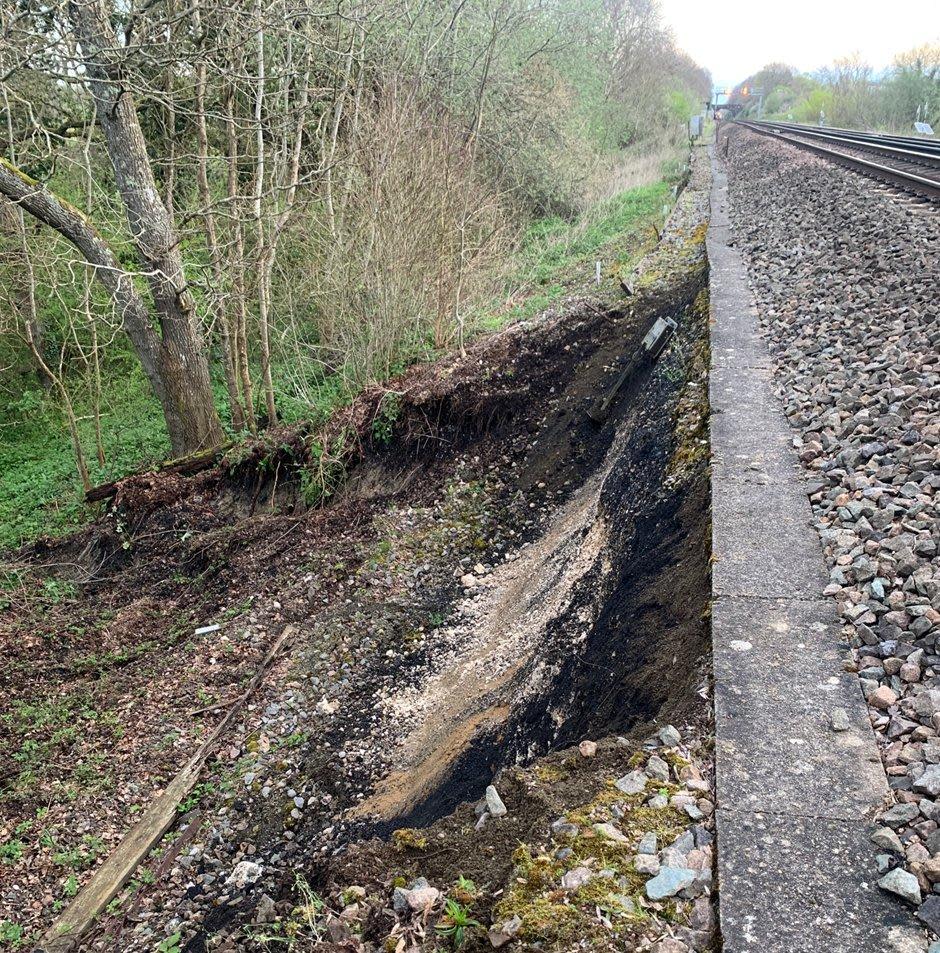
(40, 494)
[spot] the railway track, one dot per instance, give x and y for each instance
(903, 162)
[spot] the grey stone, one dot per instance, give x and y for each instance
(265, 911)
(246, 873)
(503, 933)
(647, 844)
(839, 719)
(562, 828)
(422, 898)
(609, 832)
(669, 736)
(929, 913)
(929, 781)
(900, 814)
(886, 838)
(669, 882)
(576, 878)
(494, 803)
(657, 768)
(903, 883)
(646, 864)
(632, 783)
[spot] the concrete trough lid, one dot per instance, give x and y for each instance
(658, 336)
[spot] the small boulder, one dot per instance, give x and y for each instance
(900, 814)
(648, 844)
(609, 832)
(494, 803)
(502, 933)
(576, 878)
(657, 768)
(671, 944)
(264, 911)
(646, 864)
(422, 898)
(669, 736)
(902, 883)
(882, 698)
(929, 913)
(244, 875)
(588, 749)
(632, 783)
(670, 881)
(563, 828)
(929, 782)
(886, 839)
(839, 719)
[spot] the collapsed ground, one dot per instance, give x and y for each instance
(844, 275)
(497, 576)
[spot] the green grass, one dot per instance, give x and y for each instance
(40, 493)
(556, 255)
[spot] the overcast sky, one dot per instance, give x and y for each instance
(734, 38)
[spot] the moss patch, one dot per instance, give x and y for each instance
(554, 916)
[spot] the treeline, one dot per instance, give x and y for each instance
(243, 200)
(850, 93)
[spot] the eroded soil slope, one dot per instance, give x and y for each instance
(496, 577)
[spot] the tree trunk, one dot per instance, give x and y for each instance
(267, 382)
(220, 306)
(237, 265)
(180, 361)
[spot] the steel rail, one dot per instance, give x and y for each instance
(920, 156)
(927, 145)
(908, 181)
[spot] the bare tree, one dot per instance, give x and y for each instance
(173, 355)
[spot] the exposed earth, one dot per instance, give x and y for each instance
(492, 624)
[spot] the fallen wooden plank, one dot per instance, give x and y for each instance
(64, 935)
(121, 864)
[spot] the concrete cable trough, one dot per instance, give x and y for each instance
(795, 798)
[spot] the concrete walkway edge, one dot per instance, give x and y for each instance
(795, 798)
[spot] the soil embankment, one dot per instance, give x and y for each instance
(499, 578)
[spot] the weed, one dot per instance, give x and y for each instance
(308, 914)
(456, 923)
(465, 890)
(11, 934)
(383, 424)
(171, 944)
(192, 800)
(82, 856)
(326, 471)
(11, 851)
(168, 740)
(56, 590)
